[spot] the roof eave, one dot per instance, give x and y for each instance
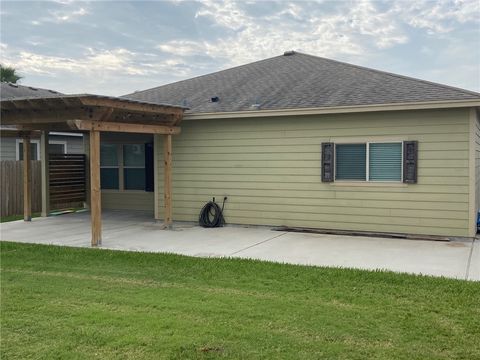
(442, 104)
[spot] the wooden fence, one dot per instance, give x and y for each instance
(11, 187)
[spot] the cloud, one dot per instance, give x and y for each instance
(440, 16)
(169, 41)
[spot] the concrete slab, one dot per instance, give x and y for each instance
(137, 231)
(474, 266)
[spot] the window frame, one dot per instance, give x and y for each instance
(367, 162)
(59, 142)
(123, 166)
(20, 141)
(120, 167)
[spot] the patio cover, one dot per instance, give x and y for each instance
(90, 114)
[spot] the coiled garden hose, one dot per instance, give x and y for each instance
(212, 215)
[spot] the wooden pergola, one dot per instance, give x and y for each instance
(91, 115)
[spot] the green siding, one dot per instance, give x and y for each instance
(477, 161)
(270, 170)
(128, 200)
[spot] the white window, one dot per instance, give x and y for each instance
(34, 149)
(57, 147)
(54, 147)
(369, 161)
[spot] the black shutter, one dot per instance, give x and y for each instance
(328, 155)
(149, 175)
(410, 159)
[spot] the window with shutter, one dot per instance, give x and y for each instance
(373, 161)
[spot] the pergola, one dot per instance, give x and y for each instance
(91, 115)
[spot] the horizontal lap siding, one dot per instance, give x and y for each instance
(477, 161)
(128, 200)
(270, 170)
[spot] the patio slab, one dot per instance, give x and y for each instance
(136, 231)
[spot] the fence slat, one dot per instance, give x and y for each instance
(11, 189)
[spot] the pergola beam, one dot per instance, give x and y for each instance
(131, 105)
(124, 127)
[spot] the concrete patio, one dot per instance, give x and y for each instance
(136, 231)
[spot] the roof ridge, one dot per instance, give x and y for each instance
(200, 76)
(470, 92)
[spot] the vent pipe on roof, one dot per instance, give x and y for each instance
(214, 99)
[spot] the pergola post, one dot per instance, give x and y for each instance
(45, 173)
(95, 199)
(27, 180)
(167, 187)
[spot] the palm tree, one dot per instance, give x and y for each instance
(8, 74)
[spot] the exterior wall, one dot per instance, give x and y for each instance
(477, 160)
(8, 147)
(127, 199)
(270, 170)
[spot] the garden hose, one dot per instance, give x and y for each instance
(212, 215)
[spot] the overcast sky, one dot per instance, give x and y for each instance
(117, 47)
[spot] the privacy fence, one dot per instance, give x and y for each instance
(67, 184)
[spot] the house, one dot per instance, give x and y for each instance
(294, 140)
(304, 141)
(59, 142)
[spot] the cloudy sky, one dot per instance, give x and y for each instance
(117, 47)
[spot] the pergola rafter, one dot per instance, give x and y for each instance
(91, 114)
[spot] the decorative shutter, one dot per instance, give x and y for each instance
(149, 175)
(328, 154)
(410, 159)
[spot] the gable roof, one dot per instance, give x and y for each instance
(12, 91)
(294, 81)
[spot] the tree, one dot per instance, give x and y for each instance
(9, 74)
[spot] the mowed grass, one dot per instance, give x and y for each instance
(69, 303)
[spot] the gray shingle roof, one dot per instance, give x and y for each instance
(297, 81)
(12, 91)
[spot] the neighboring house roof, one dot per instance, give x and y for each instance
(295, 80)
(10, 91)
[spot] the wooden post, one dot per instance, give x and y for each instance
(27, 180)
(86, 150)
(167, 187)
(44, 162)
(95, 199)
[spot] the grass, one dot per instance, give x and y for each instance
(16, 217)
(69, 303)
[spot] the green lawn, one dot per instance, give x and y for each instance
(16, 217)
(67, 303)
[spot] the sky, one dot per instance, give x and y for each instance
(118, 47)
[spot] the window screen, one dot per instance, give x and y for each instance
(350, 161)
(33, 151)
(109, 166)
(385, 161)
(56, 149)
(134, 166)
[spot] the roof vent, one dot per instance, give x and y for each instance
(32, 88)
(13, 85)
(214, 99)
(289, 53)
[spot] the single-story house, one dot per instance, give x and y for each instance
(304, 141)
(11, 148)
(294, 140)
